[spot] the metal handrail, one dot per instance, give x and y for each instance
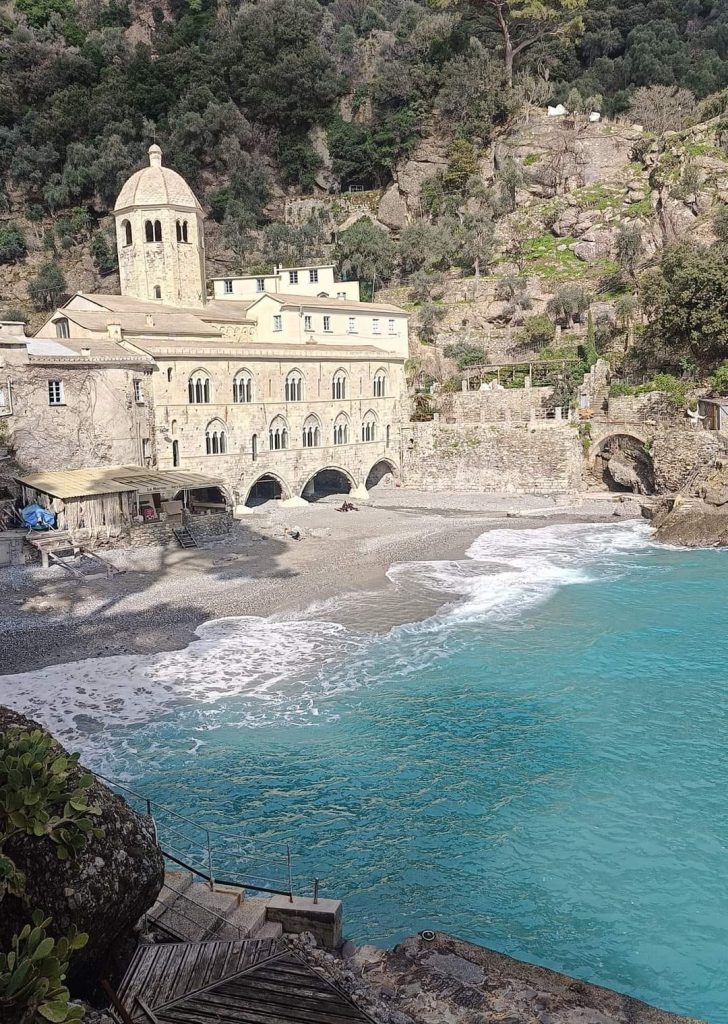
(206, 852)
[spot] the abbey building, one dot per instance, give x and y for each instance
(272, 386)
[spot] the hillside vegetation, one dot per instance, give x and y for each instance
(405, 140)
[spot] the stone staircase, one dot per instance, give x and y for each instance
(190, 911)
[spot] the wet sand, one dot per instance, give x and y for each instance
(165, 593)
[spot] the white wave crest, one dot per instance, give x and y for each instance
(506, 570)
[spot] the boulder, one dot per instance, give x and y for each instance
(692, 525)
(392, 211)
(104, 891)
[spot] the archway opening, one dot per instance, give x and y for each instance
(203, 501)
(267, 488)
(622, 463)
(382, 474)
(325, 483)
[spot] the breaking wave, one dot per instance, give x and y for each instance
(251, 671)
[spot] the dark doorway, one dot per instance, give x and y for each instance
(265, 489)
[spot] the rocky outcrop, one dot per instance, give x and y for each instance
(437, 978)
(103, 891)
(689, 524)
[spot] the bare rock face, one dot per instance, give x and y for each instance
(104, 891)
(692, 525)
(439, 979)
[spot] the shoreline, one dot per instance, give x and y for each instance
(165, 594)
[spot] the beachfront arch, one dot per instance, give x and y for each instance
(378, 471)
(622, 462)
(268, 487)
(326, 481)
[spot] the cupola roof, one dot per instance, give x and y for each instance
(155, 186)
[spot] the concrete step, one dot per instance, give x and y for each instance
(197, 914)
(270, 930)
(246, 920)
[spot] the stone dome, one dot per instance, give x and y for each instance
(156, 186)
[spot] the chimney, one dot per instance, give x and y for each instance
(85, 352)
(114, 331)
(150, 320)
(12, 328)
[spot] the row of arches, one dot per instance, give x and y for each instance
(325, 481)
(153, 231)
(199, 386)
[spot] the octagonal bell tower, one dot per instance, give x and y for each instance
(160, 237)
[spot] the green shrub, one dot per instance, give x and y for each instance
(539, 330)
(719, 380)
(33, 972)
(465, 354)
(48, 287)
(38, 798)
(12, 243)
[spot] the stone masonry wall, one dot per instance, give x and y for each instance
(493, 406)
(675, 453)
(492, 458)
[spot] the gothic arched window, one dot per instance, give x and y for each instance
(294, 386)
(380, 384)
(243, 386)
(216, 438)
(126, 231)
(148, 231)
(341, 429)
(278, 434)
(311, 432)
(338, 386)
(369, 427)
(198, 388)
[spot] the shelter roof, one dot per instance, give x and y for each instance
(78, 483)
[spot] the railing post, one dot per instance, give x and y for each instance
(290, 879)
(149, 807)
(315, 890)
(209, 861)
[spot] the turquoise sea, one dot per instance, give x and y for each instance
(539, 766)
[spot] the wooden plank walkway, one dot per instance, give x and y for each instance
(251, 981)
(160, 973)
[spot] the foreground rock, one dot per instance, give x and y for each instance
(447, 981)
(104, 891)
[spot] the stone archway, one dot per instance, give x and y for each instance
(267, 487)
(622, 462)
(381, 469)
(327, 481)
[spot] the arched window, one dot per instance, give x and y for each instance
(341, 429)
(184, 231)
(338, 386)
(243, 386)
(157, 231)
(179, 231)
(148, 231)
(173, 427)
(198, 388)
(311, 432)
(369, 427)
(278, 434)
(216, 438)
(169, 373)
(157, 291)
(175, 453)
(387, 441)
(126, 232)
(62, 328)
(294, 386)
(254, 446)
(380, 384)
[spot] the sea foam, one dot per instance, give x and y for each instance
(283, 669)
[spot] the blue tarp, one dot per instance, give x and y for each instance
(37, 518)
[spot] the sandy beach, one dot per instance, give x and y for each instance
(164, 593)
